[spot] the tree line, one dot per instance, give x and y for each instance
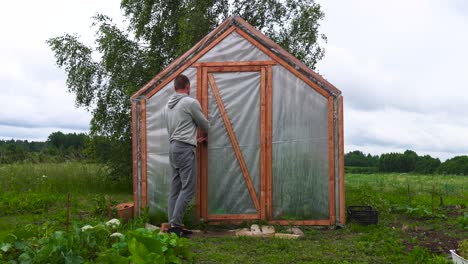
(408, 161)
(58, 147)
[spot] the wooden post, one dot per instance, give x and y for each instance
(67, 224)
(433, 193)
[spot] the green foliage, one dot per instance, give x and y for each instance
(397, 162)
(96, 244)
(361, 170)
(157, 33)
(457, 165)
(359, 159)
(463, 221)
(426, 164)
(59, 147)
(463, 248)
(419, 212)
(422, 256)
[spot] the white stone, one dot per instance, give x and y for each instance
(255, 229)
(268, 231)
(295, 231)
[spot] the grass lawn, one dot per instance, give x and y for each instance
(33, 197)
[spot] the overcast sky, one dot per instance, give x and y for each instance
(402, 67)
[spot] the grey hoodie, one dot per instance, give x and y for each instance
(183, 114)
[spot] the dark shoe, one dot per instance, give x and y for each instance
(186, 231)
(178, 231)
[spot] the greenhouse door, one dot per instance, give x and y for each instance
(232, 165)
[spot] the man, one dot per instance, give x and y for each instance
(183, 115)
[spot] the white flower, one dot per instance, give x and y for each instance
(86, 227)
(44, 176)
(119, 235)
(113, 223)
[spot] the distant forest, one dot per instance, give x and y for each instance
(60, 147)
(408, 161)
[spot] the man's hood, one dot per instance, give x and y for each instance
(175, 99)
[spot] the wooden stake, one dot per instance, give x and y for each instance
(262, 143)
(67, 224)
(433, 193)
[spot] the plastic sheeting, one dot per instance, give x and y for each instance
(227, 189)
(234, 48)
(300, 141)
(300, 149)
(157, 138)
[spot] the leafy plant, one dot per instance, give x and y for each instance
(95, 243)
(463, 221)
(463, 248)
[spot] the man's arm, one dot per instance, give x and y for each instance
(199, 117)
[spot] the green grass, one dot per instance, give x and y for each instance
(36, 194)
(408, 230)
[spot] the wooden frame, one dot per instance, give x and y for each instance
(135, 158)
(235, 144)
(144, 180)
(192, 60)
(204, 148)
(233, 217)
(283, 63)
(234, 69)
(198, 199)
(177, 61)
(331, 153)
(341, 160)
(233, 63)
(263, 143)
(269, 142)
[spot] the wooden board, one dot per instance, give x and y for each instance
(135, 158)
(144, 179)
(234, 143)
(199, 183)
(262, 143)
(233, 63)
(331, 152)
(234, 217)
(301, 222)
(234, 69)
(341, 160)
(204, 149)
(269, 141)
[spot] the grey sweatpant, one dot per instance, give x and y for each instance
(184, 179)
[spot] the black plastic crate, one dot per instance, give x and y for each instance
(363, 215)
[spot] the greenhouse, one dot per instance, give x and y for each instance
(275, 145)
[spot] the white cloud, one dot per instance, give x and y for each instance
(34, 97)
(401, 66)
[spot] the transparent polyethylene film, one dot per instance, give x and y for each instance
(157, 142)
(227, 188)
(300, 166)
(234, 48)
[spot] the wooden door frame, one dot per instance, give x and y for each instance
(265, 69)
